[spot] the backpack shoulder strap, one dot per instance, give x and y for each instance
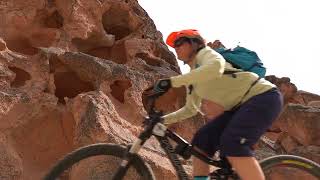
(231, 72)
(237, 105)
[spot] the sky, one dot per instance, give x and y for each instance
(284, 33)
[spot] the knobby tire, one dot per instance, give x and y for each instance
(96, 150)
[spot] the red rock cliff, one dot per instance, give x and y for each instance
(72, 73)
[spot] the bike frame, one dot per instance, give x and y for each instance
(154, 126)
(184, 149)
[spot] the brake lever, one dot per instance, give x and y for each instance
(154, 117)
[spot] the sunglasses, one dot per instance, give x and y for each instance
(179, 42)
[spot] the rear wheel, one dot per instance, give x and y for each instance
(98, 161)
(290, 167)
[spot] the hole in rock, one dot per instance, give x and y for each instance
(56, 65)
(101, 52)
(119, 53)
(55, 20)
(118, 88)
(69, 85)
(116, 21)
(21, 45)
(116, 53)
(21, 77)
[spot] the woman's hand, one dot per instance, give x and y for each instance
(162, 85)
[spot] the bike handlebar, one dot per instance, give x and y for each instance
(152, 95)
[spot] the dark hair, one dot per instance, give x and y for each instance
(198, 41)
(182, 40)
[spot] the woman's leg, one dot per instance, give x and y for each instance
(199, 167)
(248, 168)
(244, 129)
(206, 140)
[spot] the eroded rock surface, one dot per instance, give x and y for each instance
(72, 73)
(297, 130)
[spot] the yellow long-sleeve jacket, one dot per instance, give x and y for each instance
(209, 82)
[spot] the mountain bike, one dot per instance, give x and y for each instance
(128, 164)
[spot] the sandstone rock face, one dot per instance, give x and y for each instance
(287, 88)
(72, 73)
(302, 123)
(297, 130)
(10, 162)
(314, 103)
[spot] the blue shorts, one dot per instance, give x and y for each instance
(235, 132)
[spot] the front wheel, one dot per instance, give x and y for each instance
(98, 161)
(290, 167)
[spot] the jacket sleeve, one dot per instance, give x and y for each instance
(211, 66)
(190, 109)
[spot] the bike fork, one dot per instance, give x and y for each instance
(124, 166)
(125, 163)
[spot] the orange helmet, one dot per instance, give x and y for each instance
(188, 33)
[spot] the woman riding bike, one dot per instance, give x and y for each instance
(240, 105)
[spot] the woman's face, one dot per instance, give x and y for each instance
(183, 51)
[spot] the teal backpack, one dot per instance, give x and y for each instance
(243, 58)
